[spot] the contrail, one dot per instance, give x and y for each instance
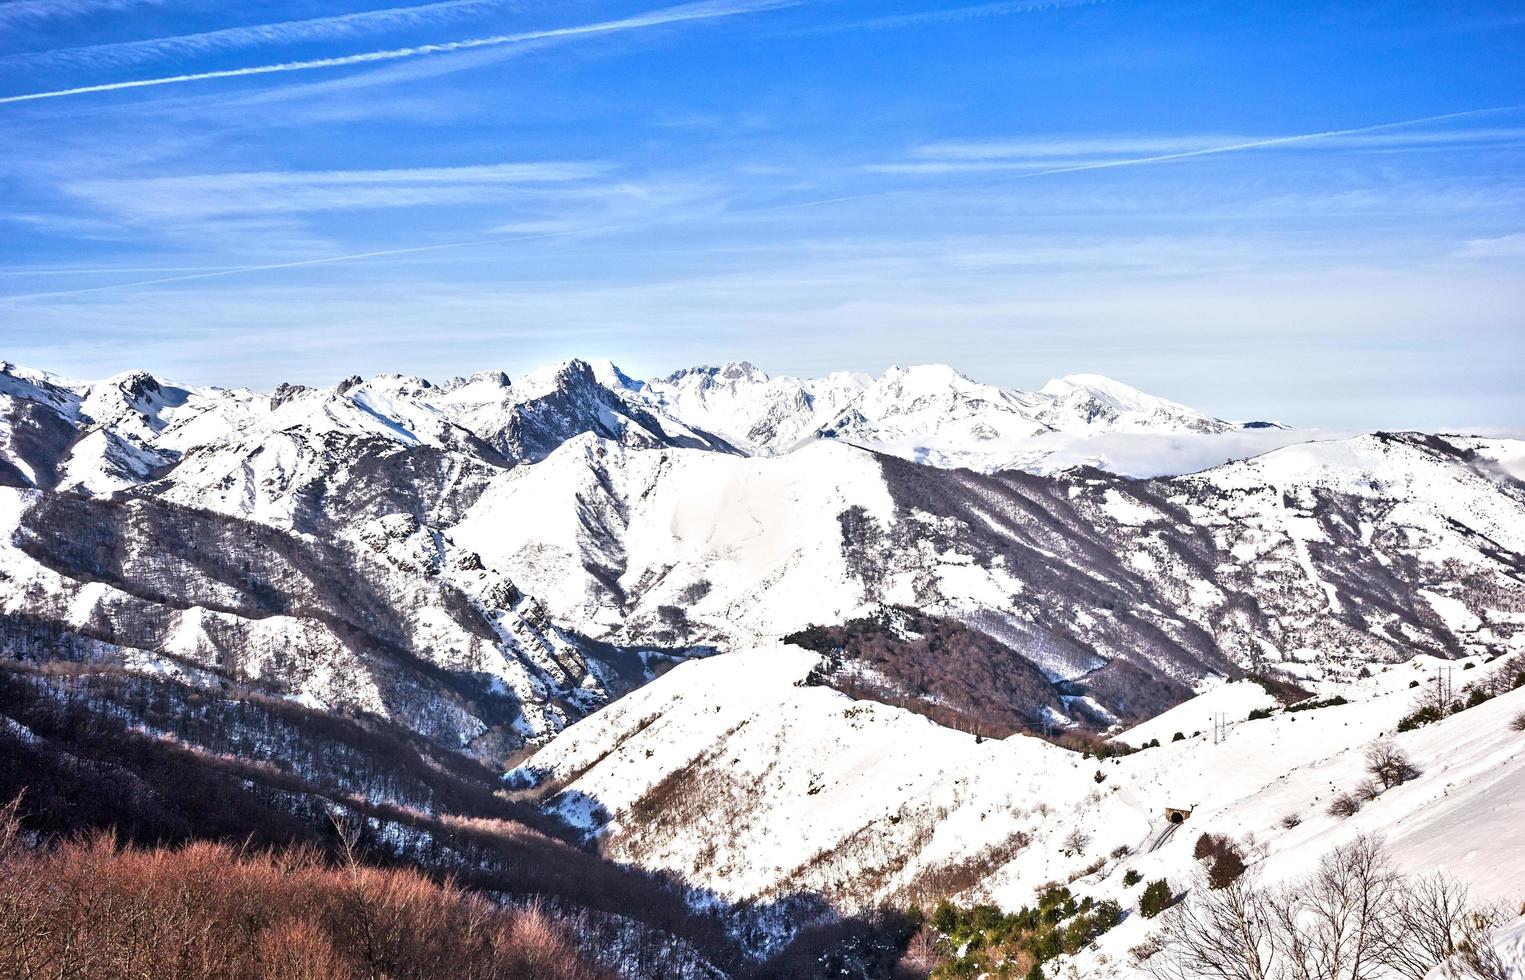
(1161, 157)
(656, 18)
(282, 32)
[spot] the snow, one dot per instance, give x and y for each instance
(1507, 941)
(1233, 700)
(788, 783)
(930, 414)
(706, 532)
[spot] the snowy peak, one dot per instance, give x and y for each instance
(707, 374)
(1094, 401)
(136, 401)
(934, 414)
(527, 421)
(37, 387)
(759, 414)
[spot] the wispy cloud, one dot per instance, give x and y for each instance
(268, 267)
(978, 11)
(1505, 246)
(124, 53)
(1043, 152)
(1169, 156)
(709, 10)
(33, 11)
(197, 197)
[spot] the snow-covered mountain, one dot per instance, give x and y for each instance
(492, 567)
(936, 415)
(722, 508)
(109, 435)
(760, 414)
(730, 774)
(1310, 559)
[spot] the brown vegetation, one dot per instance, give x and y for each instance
(90, 907)
(958, 677)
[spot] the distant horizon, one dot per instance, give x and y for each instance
(1332, 430)
(1316, 214)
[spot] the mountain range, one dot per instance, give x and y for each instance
(710, 599)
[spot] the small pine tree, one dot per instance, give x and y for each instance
(1155, 899)
(1131, 877)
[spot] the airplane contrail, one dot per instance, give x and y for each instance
(656, 18)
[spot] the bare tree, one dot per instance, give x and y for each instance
(1430, 921)
(1226, 933)
(1339, 924)
(1354, 918)
(924, 952)
(1389, 764)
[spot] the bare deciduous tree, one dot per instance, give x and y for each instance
(1431, 921)
(1337, 925)
(1226, 933)
(1389, 764)
(1354, 918)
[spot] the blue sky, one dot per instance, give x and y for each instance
(1309, 211)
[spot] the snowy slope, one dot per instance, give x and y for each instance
(752, 788)
(1318, 559)
(396, 623)
(675, 544)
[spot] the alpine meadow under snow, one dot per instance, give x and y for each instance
(726, 674)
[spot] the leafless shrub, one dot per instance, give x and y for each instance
(1477, 958)
(1077, 841)
(1519, 722)
(1389, 764)
(1368, 790)
(1088, 870)
(1344, 805)
(1292, 820)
